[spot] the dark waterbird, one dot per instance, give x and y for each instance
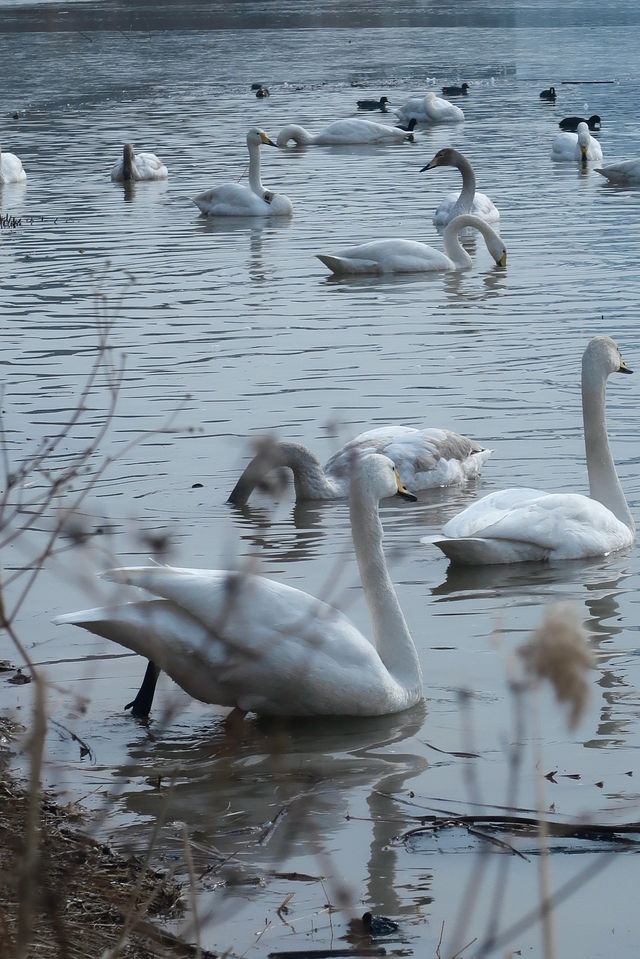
(549, 94)
(461, 91)
(380, 104)
(571, 123)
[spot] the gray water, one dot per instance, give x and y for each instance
(232, 330)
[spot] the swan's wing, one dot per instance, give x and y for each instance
(627, 171)
(439, 110)
(387, 256)
(424, 458)
(231, 199)
(245, 641)
(151, 167)
(358, 131)
(11, 168)
(413, 107)
(565, 146)
(563, 525)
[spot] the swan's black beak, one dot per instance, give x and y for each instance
(624, 368)
(430, 165)
(403, 491)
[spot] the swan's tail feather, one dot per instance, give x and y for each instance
(343, 267)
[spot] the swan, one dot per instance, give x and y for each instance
(138, 166)
(576, 146)
(467, 201)
(427, 458)
(571, 123)
(627, 172)
(517, 525)
(454, 91)
(11, 170)
(380, 104)
(549, 94)
(256, 645)
(343, 132)
(409, 256)
(429, 109)
(234, 199)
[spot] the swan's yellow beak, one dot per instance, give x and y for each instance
(623, 367)
(583, 151)
(402, 491)
(266, 139)
(503, 259)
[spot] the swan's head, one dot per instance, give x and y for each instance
(445, 157)
(256, 136)
(603, 356)
(496, 248)
(375, 477)
(584, 139)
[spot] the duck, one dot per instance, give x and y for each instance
(261, 92)
(380, 104)
(467, 201)
(522, 525)
(571, 123)
(235, 199)
(256, 645)
(454, 91)
(626, 173)
(430, 109)
(428, 458)
(138, 166)
(549, 94)
(576, 146)
(11, 169)
(408, 127)
(343, 132)
(410, 256)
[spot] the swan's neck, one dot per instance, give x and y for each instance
(309, 477)
(604, 484)
(128, 164)
(295, 132)
(450, 238)
(465, 200)
(391, 635)
(254, 170)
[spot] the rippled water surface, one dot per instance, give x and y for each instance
(230, 330)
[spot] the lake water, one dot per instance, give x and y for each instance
(232, 330)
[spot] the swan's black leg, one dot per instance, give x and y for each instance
(141, 705)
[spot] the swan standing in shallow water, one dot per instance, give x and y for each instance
(517, 525)
(410, 256)
(467, 201)
(430, 109)
(11, 169)
(579, 146)
(343, 132)
(257, 645)
(234, 199)
(138, 166)
(627, 172)
(427, 458)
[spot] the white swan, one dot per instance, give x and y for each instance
(627, 172)
(576, 146)
(427, 458)
(257, 645)
(516, 525)
(429, 109)
(11, 170)
(138, 166)
(343, 132)
(234, 199)
(410, 256)
(467, 201)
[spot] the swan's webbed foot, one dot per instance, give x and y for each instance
(141, 706)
